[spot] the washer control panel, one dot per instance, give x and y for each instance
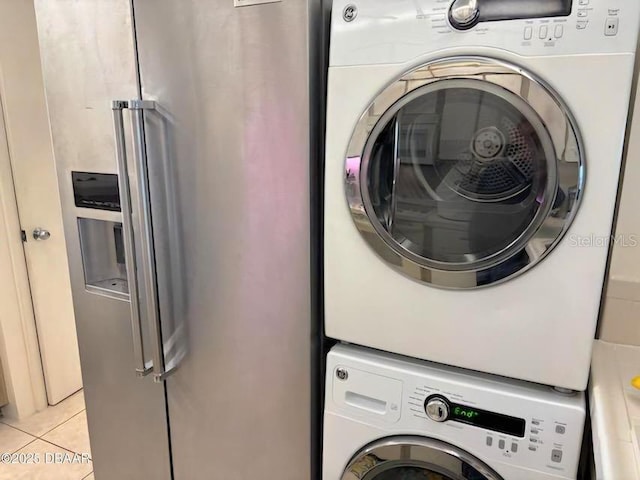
(496, 419)
(543, 437)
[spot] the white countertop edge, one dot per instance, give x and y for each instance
(614, 432)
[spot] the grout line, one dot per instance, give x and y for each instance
(19, 429)
(56, 445)
(61, 446)
(66, 448)
(16, 428)
(3, 421)
(48, 431)
(33, 438)
(25, 446)
(60, 424)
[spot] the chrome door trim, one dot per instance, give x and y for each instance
(396, 169)
(117, 106)
(543, 107)
(541, 214)
(409, 450)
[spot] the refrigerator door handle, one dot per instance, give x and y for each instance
(142, 368)
(161, 370)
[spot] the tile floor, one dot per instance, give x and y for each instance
(52, 435)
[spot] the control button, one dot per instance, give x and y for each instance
(559, 31)
(528, 33)
(556, 456)
(533, 440)
(583, 2)
(581, 25)
(514, 447)
(501, 444)
(489, 441)
(544, 30)
(560, 429)
(535, 431)
(582, 13)
(533, 448)
(535, 422)
(611, 26)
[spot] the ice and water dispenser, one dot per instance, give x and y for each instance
(101, 240)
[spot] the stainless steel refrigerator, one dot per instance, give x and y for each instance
(185, 135)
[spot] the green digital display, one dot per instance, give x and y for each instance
(464, 412)
(485, 419)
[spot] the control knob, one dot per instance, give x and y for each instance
(437, 409)
(464, 14)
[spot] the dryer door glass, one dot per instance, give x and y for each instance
(426, 473)
(458, 175)
(416, 458)
(463, 176)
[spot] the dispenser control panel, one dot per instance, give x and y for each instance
(96, 190)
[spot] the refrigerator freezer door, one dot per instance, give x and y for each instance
(88, 60)
(232, 89)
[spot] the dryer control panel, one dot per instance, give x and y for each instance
(499, 420)
(465, 14)
(378, 31)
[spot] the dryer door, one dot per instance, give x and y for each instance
(415, 458)
(465, 172)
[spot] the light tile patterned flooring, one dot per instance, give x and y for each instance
(61, 429)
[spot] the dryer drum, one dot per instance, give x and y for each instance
(500, 175)
(491, 159)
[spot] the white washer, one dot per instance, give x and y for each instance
(457, 159)
(391, 418)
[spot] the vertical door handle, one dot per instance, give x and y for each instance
(142, 369)
(148, 270)
(145, 270)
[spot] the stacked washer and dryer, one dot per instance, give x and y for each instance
(473, 153)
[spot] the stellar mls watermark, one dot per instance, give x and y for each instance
(624, 240)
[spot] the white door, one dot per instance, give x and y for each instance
(36, 188)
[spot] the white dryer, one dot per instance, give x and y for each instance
(390, 418)
(467, 142)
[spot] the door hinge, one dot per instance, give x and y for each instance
(23, 235)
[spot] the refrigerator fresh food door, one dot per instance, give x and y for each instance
(227, 144)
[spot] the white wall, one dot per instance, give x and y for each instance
(620, 320)
(22, 99)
